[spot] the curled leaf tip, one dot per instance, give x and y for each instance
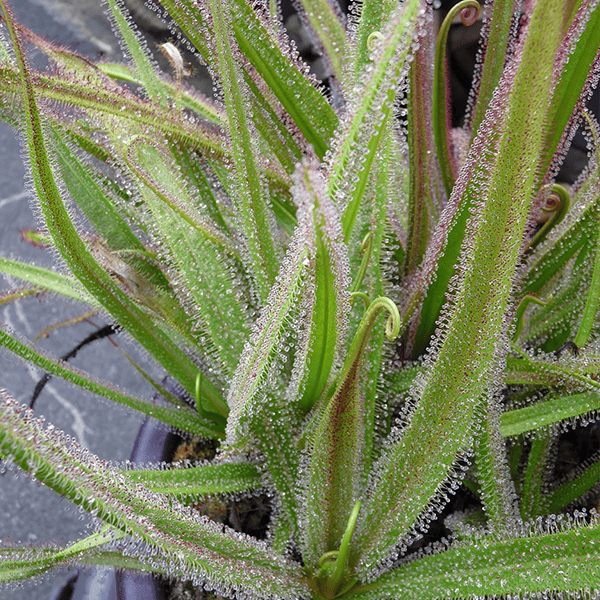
(554, 209)
(470, 12)
(394, 322)
(367, 243)
(523, 305)
(359, 344)
(374, 40)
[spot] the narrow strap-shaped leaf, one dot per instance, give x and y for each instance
(98, 206)
(17, 294)
(497, 490)
(331, 284)
(425, 192)
(101, 206)
(47, 279)
(377, 418)
(558, 322)
(19, 564)
(72, 248)
(575, 233)
(269, 330)
(590, 310)
(250, 193)
(548, 412)
(373, 15)
(274, 423)
(153, 165)
(533, 503)
(189, 99)
(183, 419)
(326, 22)
(358, 140)
(549, 371)
(538, 563)
(199, 251)
(573, 490)
(202, 480)
(135, 45)
(118, 103)
(336, 446)
(411, 475)
(497, 23)
(584, 45)
(307, 107)
(199, 174)
(190, 547)
(270, 125)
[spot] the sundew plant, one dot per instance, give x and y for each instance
(372, 313)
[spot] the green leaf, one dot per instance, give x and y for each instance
(336, 447)
(202, 254)
(72, 248)
(274, 423)
(497, 32)
(203, 480)
(37, 561)
(187, 546)
(331, 283)
(374, 14)
(364, 126)
(440, 275)
(417, 466)
(573, 490)
(576, 71)
(536, 472)
(249, 189)
(117, 102)
(183, 419)
(541, 562)
(425, 192)
(46, 279)
(442, 122)
(136, 47)
(496, 488)
(195, 102)
(17, 564)
(307, 107)
(548, 412)
(327, 24)
(590, 310)
(245, 393)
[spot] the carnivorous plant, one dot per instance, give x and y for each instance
(369, 310)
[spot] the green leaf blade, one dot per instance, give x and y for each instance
(412, 475)
(543, 562)
(192, 548)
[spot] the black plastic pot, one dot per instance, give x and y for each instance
(153, 444)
